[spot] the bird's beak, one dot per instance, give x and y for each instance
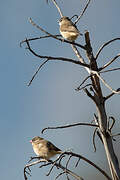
(30, 141)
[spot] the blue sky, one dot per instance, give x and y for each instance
(51, 99)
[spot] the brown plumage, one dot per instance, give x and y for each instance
(68, 29)
(44, 148)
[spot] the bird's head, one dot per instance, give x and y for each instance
(36, 140)
(63, 20)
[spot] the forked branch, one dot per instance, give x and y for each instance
(104, 45)
(109, 63)
(54, 58)
(54, 164)
(58, 163)
(54, 36)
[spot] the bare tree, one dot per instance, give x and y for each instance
(102, 125)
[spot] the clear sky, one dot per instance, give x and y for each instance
(51, 99)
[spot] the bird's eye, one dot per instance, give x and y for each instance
(60, 20)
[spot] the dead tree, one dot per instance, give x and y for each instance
(95, 93)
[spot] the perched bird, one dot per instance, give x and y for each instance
(44, 148)
(68, 29)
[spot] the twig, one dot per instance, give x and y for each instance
(109, 70)
(77, 162)
(37, 72)
(74, 16)
(113, 122)
(59, 175)
(82, 12)
(79, 89)
(94, 139)
(54, 58)
(96, 131)
(110, 95)
(100, 72)
(83, 82)
(96, 119)
(65, 170)
(116, 135)
(53, 165)
(32, 158)
(80, 57)
(89, 94)
(69, 125)
(43, 165)
(37, 38)
(67, 166)
(68, 176)
(68, 161)
(53, 36)
(29, 165)
(58, 8)
(110, 62)
(114, 91)
(61, 157)
(89, 162)
(99, 135)
(104, 45)
(78, 54)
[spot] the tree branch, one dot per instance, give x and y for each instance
(110, 62)
(89, 162)
(69, 125)
(110, 95)
(94, 139)
(55, 58)
(82, 12)
(109, 70)
(104, 45)
(54, 163)
(65, 169)
(77, 89)
(53, 36)
(99, 101)
(58, 8)
(104, 82)
(93, 65)
(37, 71)
(89, 95)
(37, 38)
(107, 141)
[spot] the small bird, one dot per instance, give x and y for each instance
(44, 148)
(68, 29)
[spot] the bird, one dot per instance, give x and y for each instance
(68, 29)
(43, 148)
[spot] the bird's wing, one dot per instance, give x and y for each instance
(52, 147)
